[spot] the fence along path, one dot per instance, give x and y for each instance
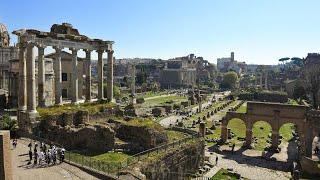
(113, 168)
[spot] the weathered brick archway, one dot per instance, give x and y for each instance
(276, 115)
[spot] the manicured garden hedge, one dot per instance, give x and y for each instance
(268, 96)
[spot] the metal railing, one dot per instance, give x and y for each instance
(110, 167)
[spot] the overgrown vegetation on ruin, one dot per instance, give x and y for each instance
(92, 108)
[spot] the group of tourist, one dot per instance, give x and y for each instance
(45, 155)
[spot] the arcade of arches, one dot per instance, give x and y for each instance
(277, 115)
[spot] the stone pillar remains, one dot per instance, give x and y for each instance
(5, 156)
(308, 142)
(248, 137)
(57, 76)
(266, 81)
(224, 130)
(100, 75)
(261, 80)
(202, 129)
(31, 84)
(22, 101)
(133, 84)
(41, 76)
(275, 140)
(110, 75)
(88, 75)
(74, 77)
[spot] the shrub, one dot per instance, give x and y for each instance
(140, 100)
(176, 106)
(268, 96)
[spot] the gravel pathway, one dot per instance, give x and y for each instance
(22, 171)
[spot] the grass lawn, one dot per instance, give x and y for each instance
(150, 94)
(224, 174)
(238, 128)
(163, 100)
(111, 157)
(261, 131)
(106, 162)
(242, 109)
(175, 135)
(286, 131)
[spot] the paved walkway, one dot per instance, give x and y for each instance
(165, 122)
(248, 168)
(22, 171)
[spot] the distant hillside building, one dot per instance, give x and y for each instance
(230, 64)
(180, 72)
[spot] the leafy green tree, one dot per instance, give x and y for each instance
(229, 81)
(141, 78)
(6, 123)
(299, 92)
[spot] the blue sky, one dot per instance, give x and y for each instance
(258, 31)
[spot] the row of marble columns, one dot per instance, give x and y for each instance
(261, 80)
(27, 88)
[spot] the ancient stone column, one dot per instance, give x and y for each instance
(100, 75)
(74, 77)
(88, 75)
(202, 129)
(31, 82)
(57, 76)
(22, 97)
(266, 81)
(41, 76)
(308, 142)
(248, 137)
(110, 76)
(133, 84)
(275, 140)
(224, 130)
(261, 80)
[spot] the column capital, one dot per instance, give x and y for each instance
(87, 50)
(22, 45)
(100, 51)
(74, 50)
(30, 44)
(110, 51)
(40, 49)
(57, 48)
(41, 46)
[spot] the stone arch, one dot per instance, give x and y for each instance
(288, 132)
(225, 121)
(261, 130)
(238, 127)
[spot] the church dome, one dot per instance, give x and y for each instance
(4, 36)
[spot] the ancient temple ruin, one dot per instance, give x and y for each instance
(60, 37)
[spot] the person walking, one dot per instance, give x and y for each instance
(30, 156)
(217, 160)
(62, 155)
(35, 160)
(233, 145)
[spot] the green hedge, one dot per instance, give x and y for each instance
(268, 96)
